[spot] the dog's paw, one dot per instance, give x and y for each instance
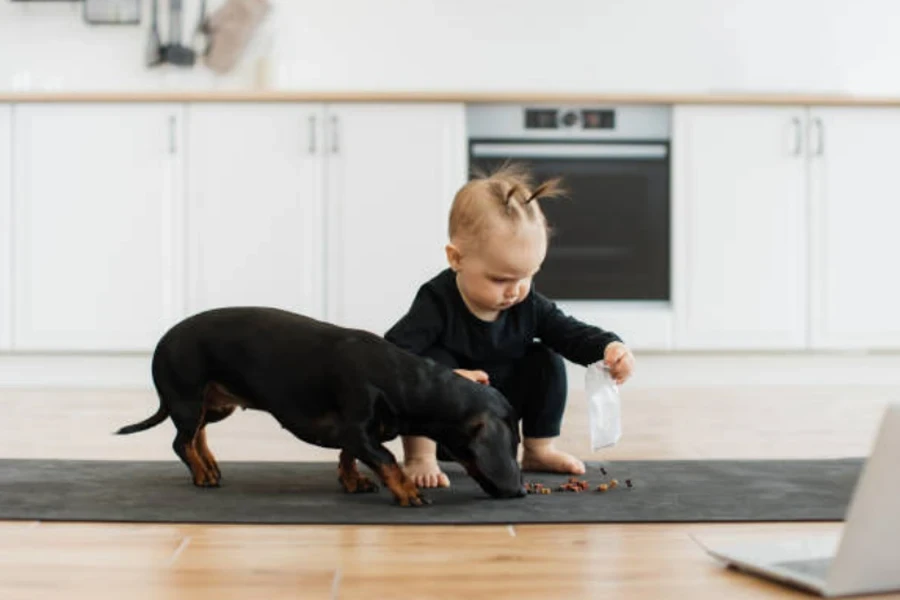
(207, 483)
(414, 500)
(366, 486)
(361, 485)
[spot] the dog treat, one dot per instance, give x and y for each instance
(574, 485)
(579, 484)
(536, 488)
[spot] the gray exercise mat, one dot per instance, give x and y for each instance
(308, 493)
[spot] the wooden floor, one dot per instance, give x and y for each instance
(60, 560)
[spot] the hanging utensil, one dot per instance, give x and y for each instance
(175, 52)
(154, 51)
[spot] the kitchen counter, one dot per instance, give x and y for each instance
(412, 96)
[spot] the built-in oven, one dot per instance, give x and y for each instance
(610, 239)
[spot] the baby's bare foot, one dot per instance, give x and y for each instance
(425, 472)
(549, 459)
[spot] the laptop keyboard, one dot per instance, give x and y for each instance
(816, 567)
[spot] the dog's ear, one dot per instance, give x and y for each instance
(475, 425)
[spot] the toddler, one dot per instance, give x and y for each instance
(482, 317)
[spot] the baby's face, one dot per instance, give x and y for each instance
(497, 273)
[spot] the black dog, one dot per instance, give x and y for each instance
(332, 387)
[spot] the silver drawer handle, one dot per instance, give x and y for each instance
(798, 136)
(334, 134)
(819, 129)
(172, 147)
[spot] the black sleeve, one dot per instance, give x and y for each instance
(420, 327)
(579, 342)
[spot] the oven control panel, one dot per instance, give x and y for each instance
(549, 118)
(576, 121)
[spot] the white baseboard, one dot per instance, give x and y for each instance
(132, 371)
(129, 371)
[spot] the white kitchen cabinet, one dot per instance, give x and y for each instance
(855, 209)
(6, 228)
(392, 172)
(98, 226)
(739, 227)
(256, 206)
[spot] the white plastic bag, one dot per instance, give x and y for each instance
(604, 416)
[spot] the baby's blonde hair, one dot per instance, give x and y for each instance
(506, 193)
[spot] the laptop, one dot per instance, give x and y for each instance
(864, 559)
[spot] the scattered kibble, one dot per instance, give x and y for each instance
(537, 488)
(575, 485)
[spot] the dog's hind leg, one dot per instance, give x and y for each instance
(217, 405)
(189, 425)
(212, 413)
(185, 400)
(186, 450)
(203, 451)
(351, 479)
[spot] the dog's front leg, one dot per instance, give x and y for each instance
(350, 477)
(382, 461)
(405, 491)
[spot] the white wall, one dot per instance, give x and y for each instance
(690, 46)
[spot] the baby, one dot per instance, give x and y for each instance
(482, 317)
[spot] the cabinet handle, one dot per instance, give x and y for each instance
(172, 147)
(819, 148)
(798, 141)
(312, 134)
(334, 134)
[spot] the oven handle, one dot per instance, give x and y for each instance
(494, 150)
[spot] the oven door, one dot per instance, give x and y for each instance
(610, 234)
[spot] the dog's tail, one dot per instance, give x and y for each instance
(147, 423)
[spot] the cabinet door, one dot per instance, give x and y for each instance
(255, 206)
(740, 203)
(855, 211)
(97, 211)
(392, 173)
(6, 228)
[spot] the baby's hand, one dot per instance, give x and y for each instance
(620, 361)
(476, 376)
